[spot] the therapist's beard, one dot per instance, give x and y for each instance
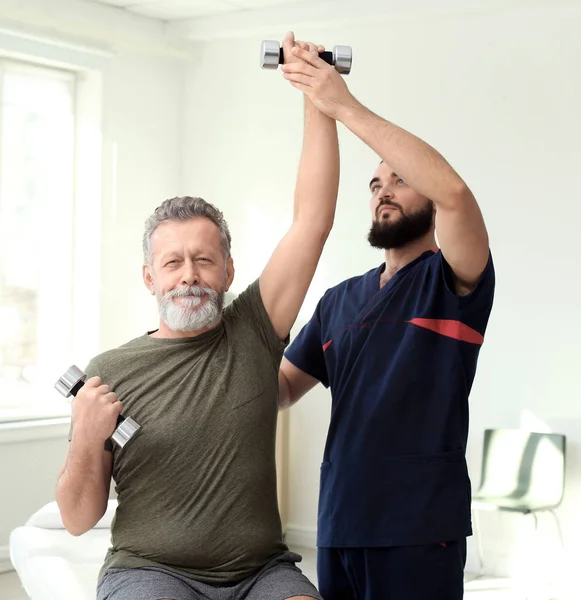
(192, 313)
(387, 235)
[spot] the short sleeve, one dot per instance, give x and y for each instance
(249, 304)
(306, 352)
(481, 298)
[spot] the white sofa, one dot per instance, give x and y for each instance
(54, 565)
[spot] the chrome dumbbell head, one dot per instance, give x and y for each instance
(70, 382)
(270, 54)
(125, 431)
(343, 59)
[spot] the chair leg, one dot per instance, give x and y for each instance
(476, 521)
(559, 530)
(563, 580)
(529, 584)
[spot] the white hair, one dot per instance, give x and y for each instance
(182, 209)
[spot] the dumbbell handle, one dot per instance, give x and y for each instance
(326, 55)
(71, 382)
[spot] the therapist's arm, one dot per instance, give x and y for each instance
(293, 384)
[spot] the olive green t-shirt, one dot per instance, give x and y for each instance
(196, 486)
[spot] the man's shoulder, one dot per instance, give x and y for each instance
(238, 313)
(244, 314)
(113, 358)
(348, 285)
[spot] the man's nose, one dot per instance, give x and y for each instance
(385, 193)
(190, 274)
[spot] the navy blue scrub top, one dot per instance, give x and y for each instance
(400, 362)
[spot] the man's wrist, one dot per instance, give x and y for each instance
(349, 113)
(85, 442)
(315, 116)
(311, 109)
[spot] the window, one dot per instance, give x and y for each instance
(37, 182)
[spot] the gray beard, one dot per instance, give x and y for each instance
(191, 314)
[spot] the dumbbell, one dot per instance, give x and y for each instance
(271, 55)
(72, 381)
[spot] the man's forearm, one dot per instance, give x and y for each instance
(83, 487)
(284, 393)
(415, 161)
(318, 176)
(289, 272)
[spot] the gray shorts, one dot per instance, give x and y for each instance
(277, 580)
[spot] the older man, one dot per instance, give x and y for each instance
(197, 515)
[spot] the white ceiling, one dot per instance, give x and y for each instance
(177, 10)
(196, 20)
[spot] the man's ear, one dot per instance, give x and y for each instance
(229, 273)
(148, 279)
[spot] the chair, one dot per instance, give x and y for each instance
(522, 472)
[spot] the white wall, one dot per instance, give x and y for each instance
(498, 95)
(142, 103)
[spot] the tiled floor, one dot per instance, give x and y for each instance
(480, 589)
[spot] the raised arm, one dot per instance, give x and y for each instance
(459, 224)
(288, 274)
